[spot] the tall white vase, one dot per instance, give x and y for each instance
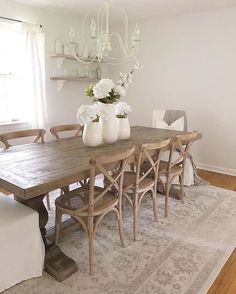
(92, 134)
(110, 125)
(124, 129)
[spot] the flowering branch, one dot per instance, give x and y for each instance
(106, 91)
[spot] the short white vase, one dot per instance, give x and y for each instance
(110, 125)
(124, 128)
(92, 134)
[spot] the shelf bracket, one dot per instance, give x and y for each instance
(60, 62)
(60, 84)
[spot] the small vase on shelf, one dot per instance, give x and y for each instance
(92, 134)
(124, 128)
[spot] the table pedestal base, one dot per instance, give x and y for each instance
(57, 264)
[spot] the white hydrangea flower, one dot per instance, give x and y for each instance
(87, 113)
(103, 110)
(120, 90)
(122, 108)
(103, 88)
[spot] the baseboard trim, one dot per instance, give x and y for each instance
(217, 169)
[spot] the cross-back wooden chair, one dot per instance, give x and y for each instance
(89, 204)
(137, 184)
(168, 171)
(37, 133)
(56, 130)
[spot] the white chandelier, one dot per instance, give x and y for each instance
(101, 38)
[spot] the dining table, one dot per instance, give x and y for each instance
(31, 171)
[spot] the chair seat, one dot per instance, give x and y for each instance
(129, 182)
(163, 167)
(76, 201)
(175, 169)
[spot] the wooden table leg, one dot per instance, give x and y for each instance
(57, 264)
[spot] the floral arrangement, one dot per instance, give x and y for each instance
(106, 91)
(88, 113)
(122, 109)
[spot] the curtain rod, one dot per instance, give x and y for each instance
(16, 20)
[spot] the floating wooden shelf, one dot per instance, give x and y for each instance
(63, 56)
(62, 80)
(60, 58)
(73, 79)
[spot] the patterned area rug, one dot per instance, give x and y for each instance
(181, 254)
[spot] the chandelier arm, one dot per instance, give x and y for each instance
(118, 61)
(83, 34)
(124, 16)
(85, 60)
(126, 51)
(100, 16)
(100, 38)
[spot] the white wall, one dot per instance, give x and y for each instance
(190, 63)
(61, 106)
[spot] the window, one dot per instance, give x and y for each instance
(22, 73)
(11, 73)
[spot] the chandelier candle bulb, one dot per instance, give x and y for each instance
(137, 32)
(93, 29)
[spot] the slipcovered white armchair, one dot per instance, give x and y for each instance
(175, 120)
(21, 244)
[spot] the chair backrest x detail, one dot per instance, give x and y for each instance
(150, 154)
(37, 133)
(102, 165)
(181, 143)
(66, 128)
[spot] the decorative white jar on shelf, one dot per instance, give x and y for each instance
(110, 125)
(124, 128)
(58, 47)
(92, 134)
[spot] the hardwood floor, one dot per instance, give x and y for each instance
(225, 283)
(219, 180)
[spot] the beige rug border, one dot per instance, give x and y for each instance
(207, 285)
(212, 277)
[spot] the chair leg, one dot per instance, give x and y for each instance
(120, 223)
(123, 202)
(135, 213)
(154, 203)
(182, 188)
(57, 224)
(91, 253)
(48, 202)
(168, 185)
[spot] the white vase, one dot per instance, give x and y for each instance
(110, 125)
(92, 134)
(124, 128)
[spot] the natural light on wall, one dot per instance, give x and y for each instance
(22, 74)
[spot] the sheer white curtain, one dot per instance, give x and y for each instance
(34, 74)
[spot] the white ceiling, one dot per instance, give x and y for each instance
(138, 9)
